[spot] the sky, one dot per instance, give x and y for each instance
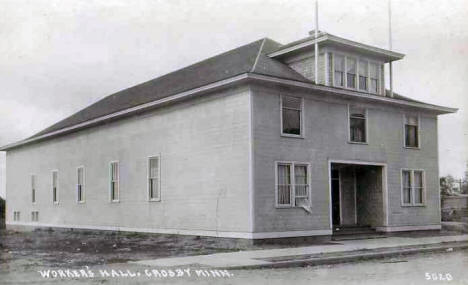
(59, 56)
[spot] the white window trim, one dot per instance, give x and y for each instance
(292, 199)
(52, 183)
(148, 178)
(404, 131)
(301, 135)
(367, 127)
(83, 187)
(412, 191)
(31, 188)
(110, 182)
(358, 58)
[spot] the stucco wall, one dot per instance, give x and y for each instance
(326, 135)
(204, 149)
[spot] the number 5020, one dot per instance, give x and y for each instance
(439, 276)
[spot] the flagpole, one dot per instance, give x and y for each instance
(316, 43)
(390, 44)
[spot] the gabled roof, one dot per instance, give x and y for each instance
(248, 58)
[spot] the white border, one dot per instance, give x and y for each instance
(211, 233)
(292, 165)
(366, 126)
(412, 202)
(419, 131)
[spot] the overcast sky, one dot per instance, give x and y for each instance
(60, 56)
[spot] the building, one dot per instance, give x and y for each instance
(248, 144)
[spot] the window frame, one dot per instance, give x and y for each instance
(158, 157)
(292, 194)
(83, 183)
(366, 126)
(358, 58)
(405, 115)
(412, 202)
(110, 182)
(301, 118)
(35, 216)
(55, 202)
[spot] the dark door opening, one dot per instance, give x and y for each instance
(335, 188)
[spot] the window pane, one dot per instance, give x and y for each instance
(411, 136)
(406, 179)
(363, 68)
(339, 63)
(362, 82)
(373, 70)
(351, 80)
(54, 179)
(411, 120)
(284, 184)
(153, 167)
(80, 176)
(357, 130)
(407, 195)
(418, 193)
(291, 122)
(291, 102)
(339, 79)
(374, 85)
(300, 172)
(418, 179)
(350, 65)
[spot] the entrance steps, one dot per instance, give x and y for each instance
(354, 233)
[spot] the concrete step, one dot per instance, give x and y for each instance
(372, 235)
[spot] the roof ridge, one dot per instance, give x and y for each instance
(258, 55)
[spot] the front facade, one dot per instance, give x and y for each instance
(270, 150)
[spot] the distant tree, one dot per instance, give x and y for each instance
(446, 185)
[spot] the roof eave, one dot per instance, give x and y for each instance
(388, 55)
(225, 83)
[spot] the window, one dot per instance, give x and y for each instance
(357, 124)
(412, 187)
(114, 181)
(291, 115)
(350, 72)
(374, 77)
(55, 186)
(16, 216)
(80, 184)
(154, 191)
(339, 66)
(33, 188)
(411, 131)
(34, 216)
(363, 73)
(292, 184)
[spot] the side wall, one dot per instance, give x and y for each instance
(326, 139)
(203, 144)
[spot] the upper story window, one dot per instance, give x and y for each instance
(350, 72)
(55, 186)
(374, 77)
(363, 74)
(154, 191)
(292, 184)
(357, 124)
(114, 181)
(411, 131)
(80, 184)
(412, 187)
(339, 66)
(33, 188)
(291, 113)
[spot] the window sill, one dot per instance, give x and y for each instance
(292, 136)
(115, 201)
(412, 147)
(412, 205)
(56, 203)
(154, 200)
(362, 143)
(80, 202)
